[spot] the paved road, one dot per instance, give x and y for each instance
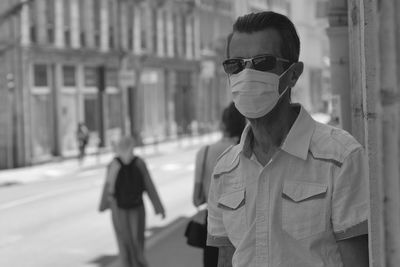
(56, 223)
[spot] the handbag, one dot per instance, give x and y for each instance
(196, 232)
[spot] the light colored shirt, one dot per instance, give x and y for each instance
(203, 170)
(291, 212)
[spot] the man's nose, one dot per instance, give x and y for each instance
(248, 65)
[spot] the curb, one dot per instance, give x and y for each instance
(14, 179)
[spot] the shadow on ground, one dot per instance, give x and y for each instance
(166, 247)
(105, 260)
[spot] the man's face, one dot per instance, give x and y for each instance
(248, 45)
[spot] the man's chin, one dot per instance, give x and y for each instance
(261, 120)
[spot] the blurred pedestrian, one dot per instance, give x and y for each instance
(294, 192)
(82, 136)
(127, 179)
(232, 126)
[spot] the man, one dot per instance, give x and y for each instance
(294, 192)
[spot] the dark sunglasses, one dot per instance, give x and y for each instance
(261, 63)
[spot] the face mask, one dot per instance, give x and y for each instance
(255, 93)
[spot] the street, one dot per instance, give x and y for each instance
(56, 222)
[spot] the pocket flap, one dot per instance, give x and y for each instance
(225, 167)
(298, 191)
(232, 200)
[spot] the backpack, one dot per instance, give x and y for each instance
(129, 185)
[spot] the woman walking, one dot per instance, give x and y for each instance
(127, 179)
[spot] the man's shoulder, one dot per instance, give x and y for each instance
(332, 143)
(227, 161)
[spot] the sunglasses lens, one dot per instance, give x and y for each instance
(264, 63)
(232, 66)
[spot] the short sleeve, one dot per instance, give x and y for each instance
(112, 172)
(199, 165)
(199, 196)
(217, 236)
(350, 197)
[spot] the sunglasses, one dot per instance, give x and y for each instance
(261, 63)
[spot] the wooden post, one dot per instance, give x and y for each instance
(397, 8)
(373, 134)
(366, 111)
(357, 68)
(390, 153)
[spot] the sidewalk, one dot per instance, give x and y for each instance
(171, 249)
(67, 167)
(168, 248)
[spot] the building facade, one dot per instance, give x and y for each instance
(119, 66)
(150, 68)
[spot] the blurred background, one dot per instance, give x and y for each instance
(152, 69)
(149, 68)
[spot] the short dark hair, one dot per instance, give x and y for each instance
(233, 121)
(254, 22)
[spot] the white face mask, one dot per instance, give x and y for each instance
(255, 93)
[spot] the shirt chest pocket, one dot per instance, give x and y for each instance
(232, 205)
(304, 208)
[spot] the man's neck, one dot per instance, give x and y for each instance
(270, 132)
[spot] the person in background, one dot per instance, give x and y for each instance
(82, 136)
(294, 192)
(232, 126)
(126, 181)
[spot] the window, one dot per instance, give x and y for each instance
(143, 28)
(42, 115)
(111, 20)
(91, 79)
(154, 29)
(40, 75)
(165, 30)
(96, 22)
(67, 22)
(130, 22)
(184, 37)
(91, 112)
(111, 77)
(32, 24)
(176, 38)
(114, 111)
(194, 38)
(82, 22)
(50, 22)
(69, 76)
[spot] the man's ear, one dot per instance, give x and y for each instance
(296, 71)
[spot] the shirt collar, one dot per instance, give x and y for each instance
(297, 141)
